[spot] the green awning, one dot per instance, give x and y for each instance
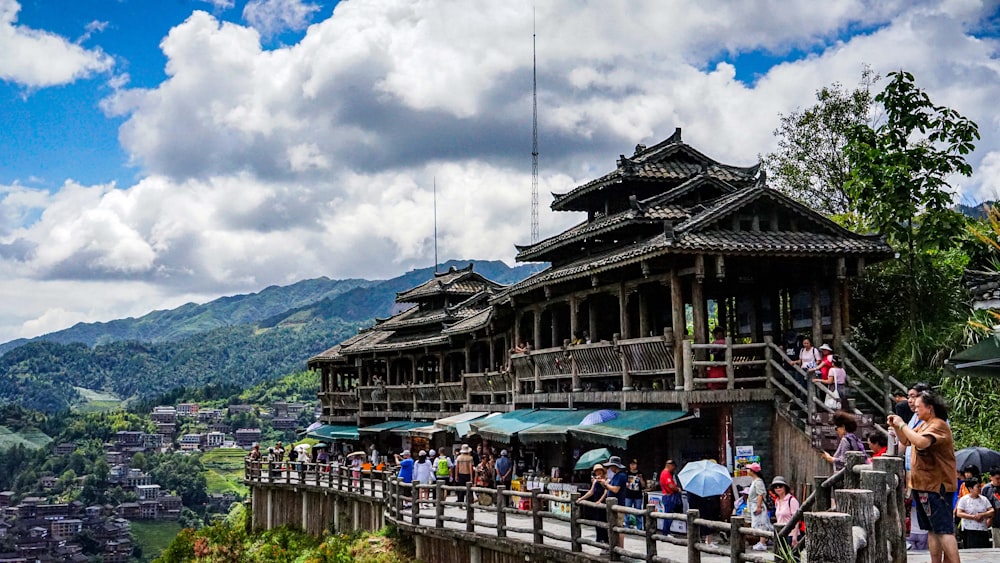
(404, 429)
(334, 432)
(449, 422)
(981, 360)
(463, 428)
(502, 428)
(383, 426)
(555, 429)
(616, 432)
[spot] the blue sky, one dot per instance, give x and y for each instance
(158, 152)
(62, 132)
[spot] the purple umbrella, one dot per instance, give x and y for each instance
(598, 417)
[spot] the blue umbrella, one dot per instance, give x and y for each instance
(598, 417)
(705, 478)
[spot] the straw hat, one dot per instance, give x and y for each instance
(599, 467)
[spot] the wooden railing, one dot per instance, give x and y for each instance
(744, 365)
(569, 366)
(869, 497)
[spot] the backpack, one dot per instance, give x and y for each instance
(293, 455)
(769, 503)
(442, 467)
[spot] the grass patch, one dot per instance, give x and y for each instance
(154, 536)
(224, 470)
(31, 438)
(97, 401)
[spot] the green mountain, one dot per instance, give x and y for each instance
(245, 340)
(192, 319)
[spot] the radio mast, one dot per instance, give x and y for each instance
(534, 135)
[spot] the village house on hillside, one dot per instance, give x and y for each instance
(673, 244)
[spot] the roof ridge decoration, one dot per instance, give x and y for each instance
(641, 166)
(726, 205)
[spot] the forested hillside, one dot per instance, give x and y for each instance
(244, 340)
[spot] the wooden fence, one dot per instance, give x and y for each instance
(868, 528)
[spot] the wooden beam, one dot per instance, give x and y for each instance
(817, 314)
(679, 324)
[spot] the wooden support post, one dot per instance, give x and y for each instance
(836, 309)
(895, 513)
(501, 502)
(398, 489)
(822, 494)
(536, 331)
(768, 356)
(649, 527)
(574, 322)
(415, 505)
(860, 505)
(817, 315)
(679, 324)
(574, 523)
(829, 538)
(688, 368)
(613, 536)
(438, 504)
(852, 480)
(737, 543)
(470, 509)
(730, 369)
(875, 481)
(698, 310)
(693, 555)
(644, 328)
(536, 517)
(626, 376)
(623, 320)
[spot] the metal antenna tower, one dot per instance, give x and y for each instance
(435, 224)
(534, 135)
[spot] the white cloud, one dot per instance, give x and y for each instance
(268, 166)
(36, 58)
(272, 17)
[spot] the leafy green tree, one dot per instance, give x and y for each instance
(899, 176)
(809, 164)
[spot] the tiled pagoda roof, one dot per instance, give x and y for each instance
(668, 161)
(705, 231)
(419, 327)
(455, 282)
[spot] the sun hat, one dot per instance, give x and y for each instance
(616, 461)
(466, 449)
(432, 453)
(422, 452)
(503, 452)
(779, 480)
(826, 347)
(755, 467)
(598, 467)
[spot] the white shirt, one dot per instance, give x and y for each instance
(422, 472)
(973, 506)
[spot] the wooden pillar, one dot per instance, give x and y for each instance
(817, 315)
(517, 330)
(836, 325)
(555, 341)
(722, 314)
(845, 315)
(468, 360)
(645, 328)
(623, 320)
(493, 354)
(592, 318)
(536, 335)
(574, 327)
(679, 324)
(699, 314)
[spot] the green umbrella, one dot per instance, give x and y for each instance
(982, 360)
(589, 458)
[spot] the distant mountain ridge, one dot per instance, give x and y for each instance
(239, 340)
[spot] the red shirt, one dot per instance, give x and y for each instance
(667, 483)
(879, 453)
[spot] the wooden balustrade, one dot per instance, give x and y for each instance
(872, 494)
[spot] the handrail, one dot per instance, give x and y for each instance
(424, 505)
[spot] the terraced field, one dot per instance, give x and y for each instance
(31, 438)
(224, 470)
